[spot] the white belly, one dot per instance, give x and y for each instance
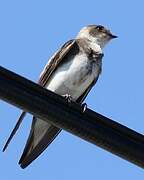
(73, 77)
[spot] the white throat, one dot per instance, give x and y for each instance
(93, 40)
(95, 47)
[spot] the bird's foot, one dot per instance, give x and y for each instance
(84, 107)
(68, 98)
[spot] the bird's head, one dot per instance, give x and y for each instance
(96, 34)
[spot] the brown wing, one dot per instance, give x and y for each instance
(42, 133)
(54, 61)
(84, 95)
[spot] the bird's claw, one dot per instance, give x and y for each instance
(68, 98)
(84, 107)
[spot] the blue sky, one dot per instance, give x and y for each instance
(30, 33)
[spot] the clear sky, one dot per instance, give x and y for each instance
(30, 32)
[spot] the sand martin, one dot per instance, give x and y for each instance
(73, 70)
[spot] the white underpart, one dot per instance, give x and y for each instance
(72, 77)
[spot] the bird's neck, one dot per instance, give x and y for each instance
(95, 46)
(88, 46)
(92, 40)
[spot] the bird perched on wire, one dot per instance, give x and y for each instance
(71, 72)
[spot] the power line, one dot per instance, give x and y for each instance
(90, 126)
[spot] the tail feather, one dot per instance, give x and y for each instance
(32, 150)
(14, 130)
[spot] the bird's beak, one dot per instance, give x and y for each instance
(113, 36)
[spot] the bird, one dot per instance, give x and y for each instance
(71, 72)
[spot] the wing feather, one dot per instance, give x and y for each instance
(42, 133)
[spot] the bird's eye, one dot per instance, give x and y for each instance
(100, 28)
